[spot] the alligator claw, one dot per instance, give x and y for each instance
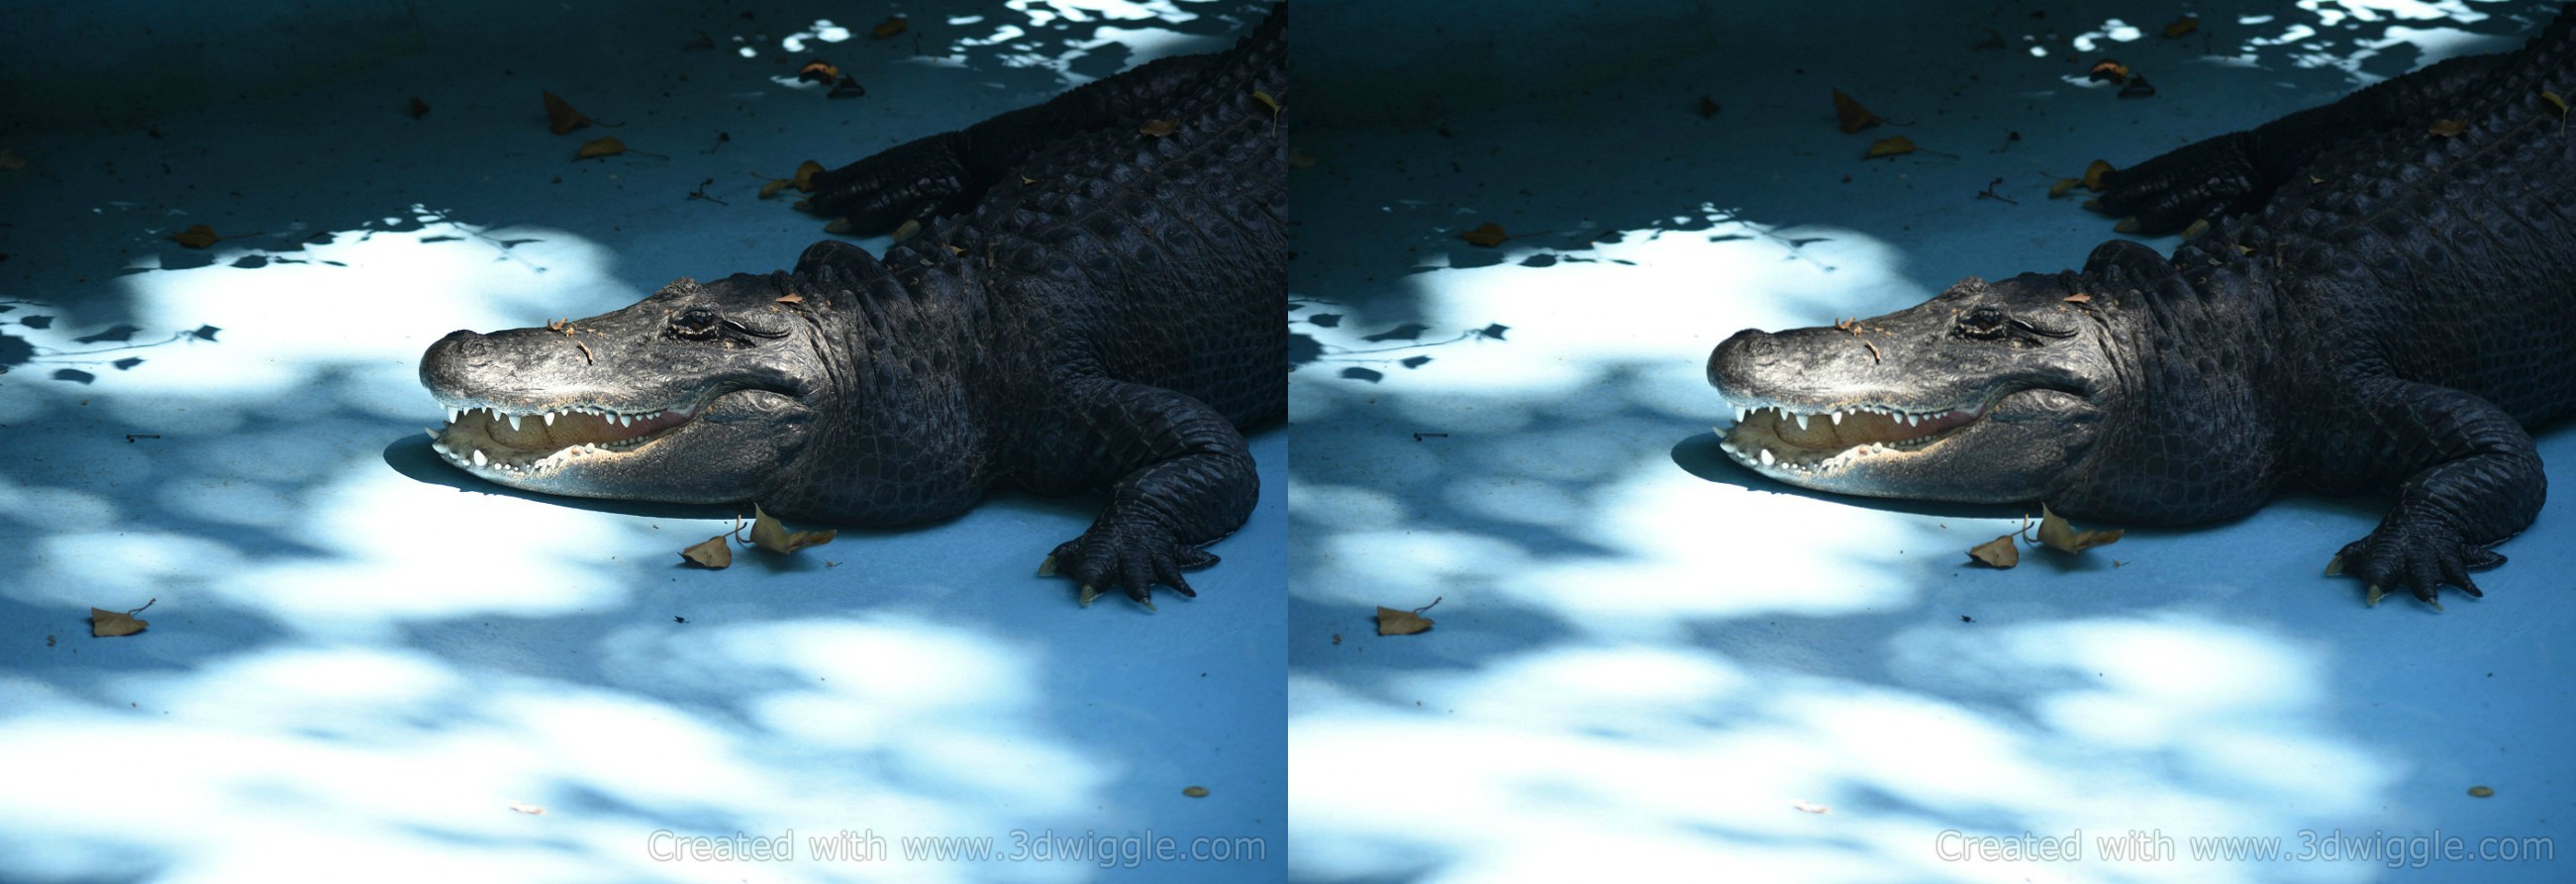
(1129, 561)
(2418, 557)
(2126, 225)
(1088, 594)
(2370, 597)
(2334, 567)
(1047, 568)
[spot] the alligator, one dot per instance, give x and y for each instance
(2379, 302)
(1091, 301)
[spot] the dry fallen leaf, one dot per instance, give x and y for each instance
(2198, 227)
(560, 117)
(767, 533)
(817, 71)
(2058, 534)
(104, 623)
(2481, 792)
(1999, 552)
(2138, 88)
(890, 27)
(906, 230)
(419, 108)
(1850, 115)
(840, 227)
(604, 147)
(2062, 186)
(2093, 175)
(11, 161)
(1264, 98)
(2182, 26)
(791, 298)
(2079, 298)
(2108, 69)
(1195, 791)
(714, 553)
(775, 185)
(2449, 128)
(1393, 622)
(1486, 235)
(1159, 128)
(1888, 147)
(805, 172)
(196, 237)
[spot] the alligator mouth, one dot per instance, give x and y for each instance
(522, 441)
(1792, 440)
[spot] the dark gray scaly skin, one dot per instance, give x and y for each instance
(1088, 308)
(2390, 312)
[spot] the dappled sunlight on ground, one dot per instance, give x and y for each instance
(1649, 659)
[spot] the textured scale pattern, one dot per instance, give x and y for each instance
(2391, 314)
(1104, 315)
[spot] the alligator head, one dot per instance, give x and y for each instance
(1988, 392)
(697, 394)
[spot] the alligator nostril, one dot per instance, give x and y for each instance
(1751, 343)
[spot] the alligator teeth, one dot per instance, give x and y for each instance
(432, 431)
(1766, 456)
(479, 459)
(1838, 418)
(550, 418)
(514, 422)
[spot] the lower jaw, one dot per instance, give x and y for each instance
(513, 463)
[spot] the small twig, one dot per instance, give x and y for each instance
(701, 193)
(1435, 601)
(1990, 194)
(1873, 350)
(148, 605)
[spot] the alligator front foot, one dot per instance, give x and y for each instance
(907, 183)
(1127, 559)
(2207, 179)
(2417, 558)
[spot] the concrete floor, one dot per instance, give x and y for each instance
(1651, 664)
(360, 660)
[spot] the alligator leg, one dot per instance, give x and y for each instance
(1185, 480)
(2235, 173)
(944, 174)
(2473, 480)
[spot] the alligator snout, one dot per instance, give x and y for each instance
(1739, 356)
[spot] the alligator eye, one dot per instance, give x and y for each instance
(1984, 322)
(697, 323)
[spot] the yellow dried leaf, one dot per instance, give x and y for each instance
(1486, 235)
(715, 554)
(2079, 298)
(840, 227)
(2481, 792)
(818, 71)
(769, 534)
(890, 27)
(2198, 227)
(2058, 534)
(805, 172)
(1159, 128)
(791, 298)
(906, 230)
(772, 188)
(104, 623)
(1888, 147)
(2449, 128)
(604, 147)
(1852, 117)
(2545, 95)
(1195, 791)
(2062, 186)
(11, 161)
(560, 117)
(2093, 175)
(2108, 69)
(1999, 552)
(1393, 622)
(1264, 98)
(2182, 26)
(196, 237)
